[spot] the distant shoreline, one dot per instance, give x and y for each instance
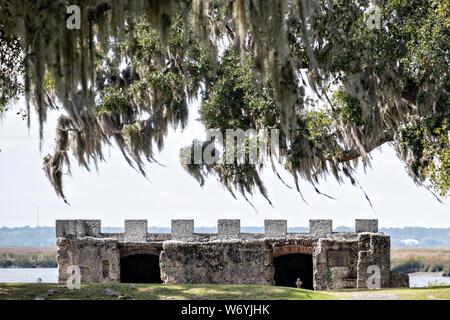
(411, 260)
(28, 257)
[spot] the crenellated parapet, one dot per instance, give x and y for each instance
(182, 229)
(366, 225)
(78, 228)
(229, 228)
(136, 231)
(275, 228)
(326, 259)
(321, 227)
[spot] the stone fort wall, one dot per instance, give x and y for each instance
(339, 259)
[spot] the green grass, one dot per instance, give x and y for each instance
(205, 292)
(158, 292)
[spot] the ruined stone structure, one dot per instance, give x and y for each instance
(322, 259)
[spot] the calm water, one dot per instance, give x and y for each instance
(423, 279)
(50, 275)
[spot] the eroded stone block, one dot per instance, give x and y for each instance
(65, 228)
(321, 227)
(182, 229)
(78, 228)
(229, 227)
(275, 228)
(366, 225)
(135, 231)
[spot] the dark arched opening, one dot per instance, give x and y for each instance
(290, 267)
(140, 268)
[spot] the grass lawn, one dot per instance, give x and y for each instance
(203, 292)
(157, 292)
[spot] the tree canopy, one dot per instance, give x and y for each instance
(337, 78)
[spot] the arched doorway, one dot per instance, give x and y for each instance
(290, 267)
(140, 268)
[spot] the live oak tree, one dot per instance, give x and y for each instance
(338, 78)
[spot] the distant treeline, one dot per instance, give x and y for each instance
(45, 236)
(27, 237)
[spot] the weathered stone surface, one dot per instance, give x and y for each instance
(335, 264)
(227, 262)
(65, 228)
(366, 225)
(78, 228)
(340, 260)
(92, 228)
(90, 255)
(229, 228)
(322, 227)
(135, 231)
(399, 280)
(275, 228)
(373, 250)
(182, 229)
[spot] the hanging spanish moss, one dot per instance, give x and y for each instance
(334, 87)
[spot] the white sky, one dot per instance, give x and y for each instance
(117, 192)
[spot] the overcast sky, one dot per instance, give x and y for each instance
(116, 192)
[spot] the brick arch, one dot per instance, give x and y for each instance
(129, 250)
(283, 250)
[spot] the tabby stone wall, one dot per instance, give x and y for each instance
(224, 262)
(339, 259)
(98, 260)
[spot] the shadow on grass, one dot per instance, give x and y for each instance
(157, 292)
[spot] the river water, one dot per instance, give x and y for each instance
(47, 275)
(424, 279)
(50, 275)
